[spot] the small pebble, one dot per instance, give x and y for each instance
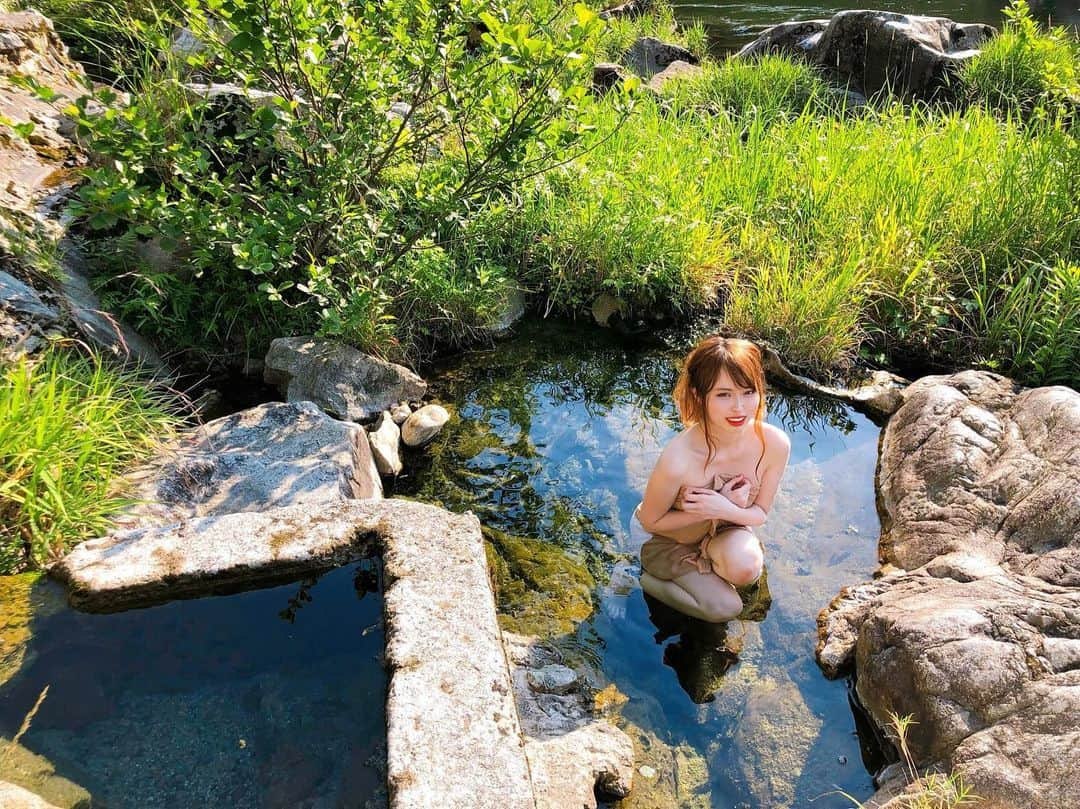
(647, 771)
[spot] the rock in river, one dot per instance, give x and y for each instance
(975, 632)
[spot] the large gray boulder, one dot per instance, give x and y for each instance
(649, 56)
(975, 628)
(272, 455)
(341, 380)
(870, 51)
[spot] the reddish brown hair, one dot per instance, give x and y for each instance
(702, 367)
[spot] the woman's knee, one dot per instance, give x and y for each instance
(744, 571)
(738, 561)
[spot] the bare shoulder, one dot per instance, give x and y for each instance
(676, 457)
(777, 443)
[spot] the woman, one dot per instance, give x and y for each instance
(714, 482)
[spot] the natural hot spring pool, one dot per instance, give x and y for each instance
(274, 698)
(553, 437)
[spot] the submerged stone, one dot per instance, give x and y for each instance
(37, 775)
(23, 599)
(540, 589)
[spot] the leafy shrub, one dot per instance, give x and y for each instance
(377, 128)
(68, 426)
(1026, 70)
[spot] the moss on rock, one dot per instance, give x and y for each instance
(22, 598)
(539, 588)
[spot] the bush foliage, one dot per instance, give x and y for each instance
(322, 200)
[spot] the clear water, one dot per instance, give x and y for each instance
(271, 698)
(553, 437)
(732, 25)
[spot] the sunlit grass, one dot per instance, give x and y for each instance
(69, 425)
(825, 235)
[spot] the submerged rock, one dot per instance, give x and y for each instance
(23, 598)
(272, 455)
(553, 679)
(539, 588)
(871, 51)
(572, 755)
(976, 632)
(15, 797)
(341, 380)
(423, 425)
(26, 773)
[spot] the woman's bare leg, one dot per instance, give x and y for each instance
(736, 556)
(699, 595)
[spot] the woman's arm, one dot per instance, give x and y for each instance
(655, 513)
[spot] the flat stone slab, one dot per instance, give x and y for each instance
(268, 456)
(453, 735)
(205, 555)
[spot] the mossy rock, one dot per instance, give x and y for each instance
(38, 775)
(665, 776)
(22, 598)
(539, 588)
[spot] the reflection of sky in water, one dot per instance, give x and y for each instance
(261, 699)
(568, 438)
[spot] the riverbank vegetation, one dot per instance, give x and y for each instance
(362, 199)
(69, 425)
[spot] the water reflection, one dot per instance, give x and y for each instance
(271, 698)
(552, 439)
(732, 25)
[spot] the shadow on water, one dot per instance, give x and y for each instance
(552, 437)
(262, 699)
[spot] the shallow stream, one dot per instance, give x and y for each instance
(271, 699)
(552, 439)
(732, 25)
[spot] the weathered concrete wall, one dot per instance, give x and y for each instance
(454, 738)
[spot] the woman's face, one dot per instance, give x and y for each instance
(730, 407)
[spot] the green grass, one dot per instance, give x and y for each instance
(1026, 70)
(621, 33)
(825, 236)
(771, 87)
(69, 426)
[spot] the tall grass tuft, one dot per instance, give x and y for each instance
(770, 88)
(830, 237)
(68, 426)
(660, 23)
(1026, 69)
(1026, 321)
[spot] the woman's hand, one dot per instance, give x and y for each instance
(707, 504)
(737, 490)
